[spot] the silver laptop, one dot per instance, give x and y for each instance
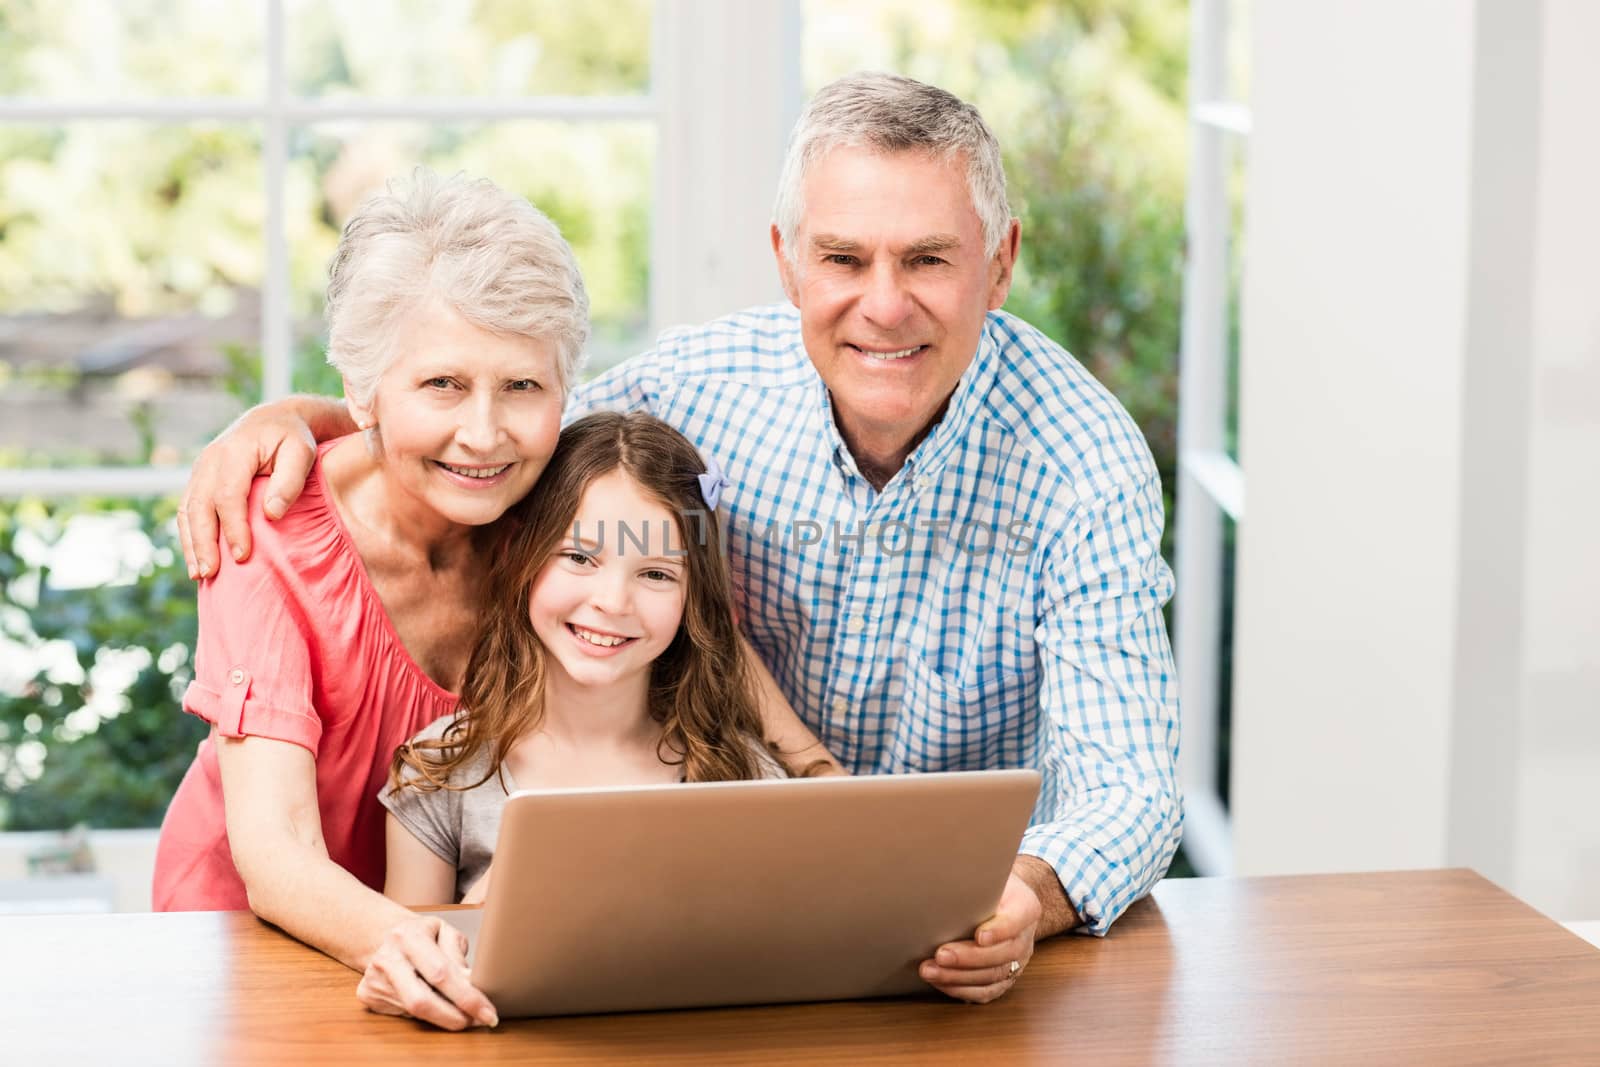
(677, 896)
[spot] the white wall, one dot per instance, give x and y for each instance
(728, 82)
(1557, 811)
(1418, 647)
(1353, 326)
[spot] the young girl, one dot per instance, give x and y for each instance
(608, 656)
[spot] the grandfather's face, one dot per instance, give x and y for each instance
(892, 285)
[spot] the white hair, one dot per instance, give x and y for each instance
(493, 257)
(890, 113)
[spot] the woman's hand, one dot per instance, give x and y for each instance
(420, 970)
(413, 964)
(276, 439)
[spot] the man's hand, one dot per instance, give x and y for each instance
(982, 969)
(1032, 906)
(272, 439)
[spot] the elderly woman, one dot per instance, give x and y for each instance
(456, 316)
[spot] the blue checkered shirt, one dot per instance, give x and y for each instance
(996, 604)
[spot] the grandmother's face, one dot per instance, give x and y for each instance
(468, 418)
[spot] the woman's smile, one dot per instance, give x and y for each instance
(475, 476)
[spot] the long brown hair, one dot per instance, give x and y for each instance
(700, 691)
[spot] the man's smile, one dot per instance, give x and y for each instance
(887, 355)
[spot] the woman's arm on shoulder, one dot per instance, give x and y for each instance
(277, 439)
(801, 751)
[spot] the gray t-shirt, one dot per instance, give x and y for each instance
(461, 826)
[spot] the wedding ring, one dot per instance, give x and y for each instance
(1015, 967)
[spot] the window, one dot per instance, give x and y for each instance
(1211, 487)
(173, 178)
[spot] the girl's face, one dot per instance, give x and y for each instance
(611, 598)
(468, 418)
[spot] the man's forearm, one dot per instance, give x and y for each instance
(1058, 914)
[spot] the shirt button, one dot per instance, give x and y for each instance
(840, 705)
(236, 676)
(853, 624)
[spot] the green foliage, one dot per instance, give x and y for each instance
(1098, 174)
(1102, 263)
(478, 48)
(152, 220)
(110, 762)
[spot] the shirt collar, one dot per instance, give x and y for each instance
(842, 457)
(961, 413)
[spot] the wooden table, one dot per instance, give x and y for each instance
(1419, 967)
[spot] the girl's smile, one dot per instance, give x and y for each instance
(596, 642)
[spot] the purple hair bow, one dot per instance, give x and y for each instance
(712, 482)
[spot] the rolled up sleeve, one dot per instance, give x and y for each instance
(1111, 815)
(252, 675)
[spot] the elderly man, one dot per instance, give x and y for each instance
(946, 532)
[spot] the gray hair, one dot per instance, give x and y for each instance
(493, 257)
(891, 113)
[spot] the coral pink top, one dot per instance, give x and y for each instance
(295, 646)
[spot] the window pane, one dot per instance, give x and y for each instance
(491, 48)
(1224, 756)
(1237, 157)
(595, 181)
(130, 256)
(92, 49)
(94, 659)
(1239, 50)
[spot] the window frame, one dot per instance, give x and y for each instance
(1211, 483)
